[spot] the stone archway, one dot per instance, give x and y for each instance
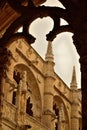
(33, 91)
(62, 120)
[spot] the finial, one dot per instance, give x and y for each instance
(73, 81)
(49, 54)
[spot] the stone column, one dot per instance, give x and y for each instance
(61, 122)
(24, 89)
(48, 87)
(74, 116)
(80, 41)
(48, 100)
(18, 104)
(23, 95)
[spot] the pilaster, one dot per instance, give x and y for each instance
(48, 87)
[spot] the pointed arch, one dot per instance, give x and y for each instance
(32, 89)
(58, 101)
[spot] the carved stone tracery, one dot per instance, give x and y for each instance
(75, 14)
(25, 19)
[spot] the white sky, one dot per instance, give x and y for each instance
(65, 55)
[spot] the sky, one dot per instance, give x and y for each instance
(65, 54)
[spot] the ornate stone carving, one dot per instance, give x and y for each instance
(61, 113)
(29, 52)
(16, 57)
(12, 83)
(59, 84)
(49, 55)
(19, 43)
(25, 19)
(9, 111)
(55, 13)
(5, 56)
(24, 82)
(48, 112)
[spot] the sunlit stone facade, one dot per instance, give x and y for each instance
(35, 97)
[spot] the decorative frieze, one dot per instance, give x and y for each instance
(29, 52)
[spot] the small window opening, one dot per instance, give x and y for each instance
(29, 107)
(14, 98)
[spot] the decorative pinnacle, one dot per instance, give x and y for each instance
(49, 54)
(73, 81)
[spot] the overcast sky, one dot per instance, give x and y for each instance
(65, 54)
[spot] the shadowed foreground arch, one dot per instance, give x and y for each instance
(75, 14)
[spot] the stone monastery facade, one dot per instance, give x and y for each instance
(35, 97)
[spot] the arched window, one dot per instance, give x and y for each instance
(14, 98)
(29, 107)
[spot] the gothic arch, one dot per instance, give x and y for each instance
(58, 101)
(33, 89)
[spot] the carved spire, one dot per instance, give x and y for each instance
(49, 54)
(73, 84)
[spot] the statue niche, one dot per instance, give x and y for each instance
(17, 78)
(22, 92)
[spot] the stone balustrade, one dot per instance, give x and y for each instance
(9, 111)
(10, 115)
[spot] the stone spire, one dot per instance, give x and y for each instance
(73, 84)
(49, 55)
